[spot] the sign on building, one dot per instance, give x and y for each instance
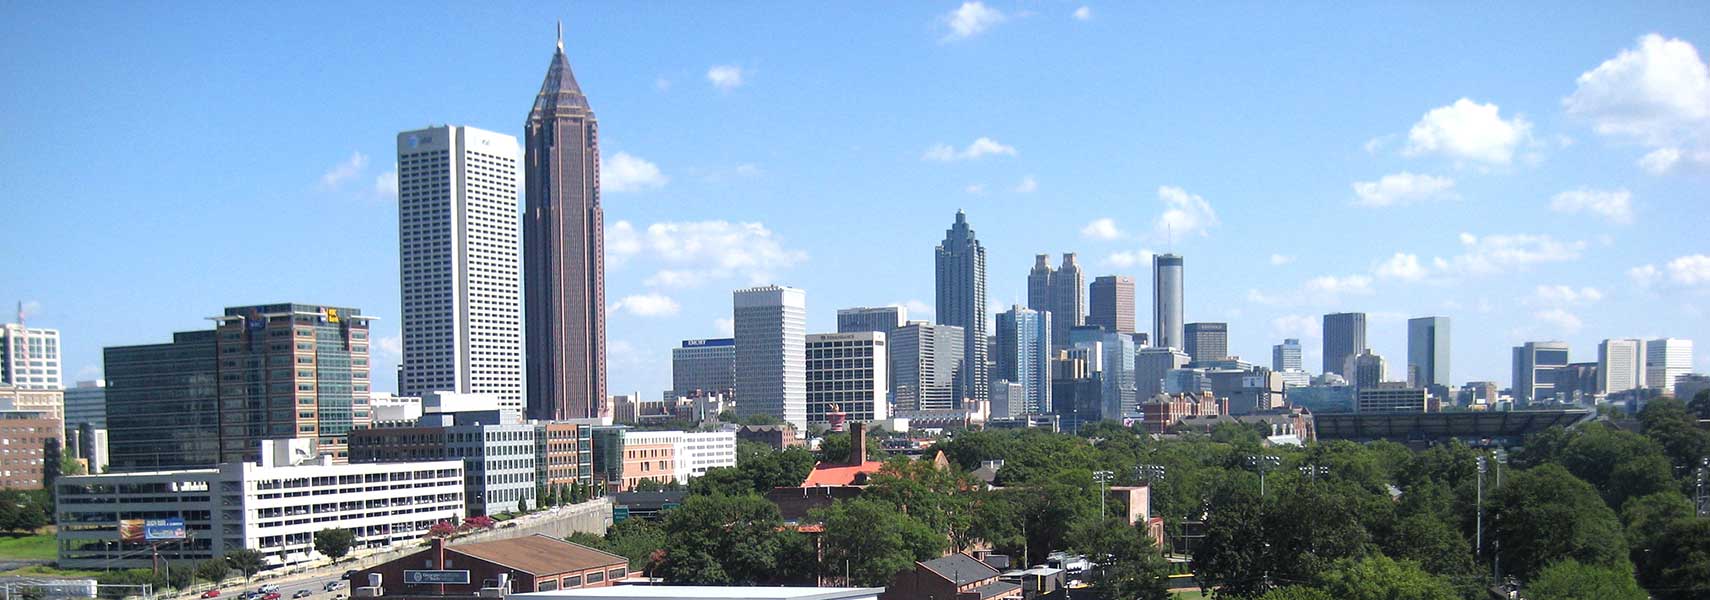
(437, 577)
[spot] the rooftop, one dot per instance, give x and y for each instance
(841, 474)
(960, 569)
(539, 554)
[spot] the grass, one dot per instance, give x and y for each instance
(44, 570)
(1189, 595)
(40, 546)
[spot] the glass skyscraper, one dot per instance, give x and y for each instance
(961, 299)
(1024, 355)
(1167, 311)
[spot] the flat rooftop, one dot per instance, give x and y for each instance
(711, 592)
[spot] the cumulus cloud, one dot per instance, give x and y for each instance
(971, 19)
(725, 327)
(1402, 188)
(646, 305)
(1645, 275)
(625, 172)
(693, 253)
(1184, 214)
(1560, 319)
(1028, 185)
(1484, 255)
(1324, 290)
(1402, 266)
(1083, 13)
(1101, 229)
(1657, 94)
(1691, 270)
(979, 148)
(1563, 295)
(1468, 131)
(1278, 260)
(344, 171)
(1129, 258)
(1614, 205)
(725, 77)
(917, 309)
(386, 185)
(1296, 326)
(391, 346)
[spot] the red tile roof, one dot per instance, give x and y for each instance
(840, 474)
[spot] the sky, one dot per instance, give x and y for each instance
(1533, 171)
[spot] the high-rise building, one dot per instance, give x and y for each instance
(1666, 360)
(460, 263)
(1286, 356)
(882, 319)
(1059, 292)
(961, 298)
(1367, 369)
(1150, 367)
(771, 353)
(1167, 310)
(29, 357)
(704, 366)
(1009, 399)
(1536, 369)
(1077, 388)
(926, 363)
(846, 373)
(1344, 336)
(87, 403)
(1391, 400)
(1206, 341)
(1111, 303)
(1114, 354)
(1428, 353)
(264, 372)
(564, 248)
(1620, 365)
(1024, 354)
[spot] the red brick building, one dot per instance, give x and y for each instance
(536, 563)
(953, 577)
(23, 455)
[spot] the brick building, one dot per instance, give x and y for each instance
(954, 577)
(537, 563)
(24, 440)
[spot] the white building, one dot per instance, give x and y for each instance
(460, 253)
(29, 357)
(698, 451)
(1666, 360)
(274, 506)
(771, 353)
(389, 408)
(847, 371)
(1620, 365)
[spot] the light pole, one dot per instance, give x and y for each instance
(1478, 547)
(1313, 472)
(1103, 478)
(1263, 462)
(1702, 498)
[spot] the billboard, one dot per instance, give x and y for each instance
(432, 577)
(152, 530)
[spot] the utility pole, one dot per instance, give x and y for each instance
(1103, 478)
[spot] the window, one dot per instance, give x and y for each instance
(596, 577)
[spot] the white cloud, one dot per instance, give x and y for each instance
(386, 185)
(971, 19)
(1331, 285)
(344, 170)
(1562, 320)
(1296, 326)
(1184, 214)
(725, 327)
(1402, 266)
(1645, 276)
(1659, 161)
(1614, 205)
(1470, 131)
(725, 77)
(662, 84)
(1278, 260)
(1657, 94)
(1324, 290)
(975, 188)
(1690, 270)
(1101, 229)
(621, 241)
(1498, 253)
(1028, 185)
(647, 305)
(1083, 13)
(917, 309)
(1403, 188)
(694, 253)
(391, 346)
(1129, 258)
(624, 172)
(1563, 295)
(29, 309)
(982, 147)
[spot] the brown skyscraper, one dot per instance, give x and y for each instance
(1113, 303)
(564, 267)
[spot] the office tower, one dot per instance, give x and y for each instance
(1428, 352)
(1167, 284)
(564, 248)
(882, 319)
(1666, 360)
(961, 296)
(704, 367)
(1620, 365)
(1206, 341)
(1367, 369)
(29, 357)
(1024, 353)
(1111, 300)
(771, 353)
(87, 403)
(1391, 400)
(1536, 368)
(1077, 388)
(926, 363)
(1114, 353)
(1344, 336)
(1150, 366)
(1286, 356)
(461, 270)
(1060, 292)
(1576, 383)
(1009, 399)
(264, 372)
(846, 373)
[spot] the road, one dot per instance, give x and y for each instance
(287, 589)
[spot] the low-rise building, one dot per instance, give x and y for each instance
(563, 454)
(778, 437)
(1163, 412)
(671, 456)
(25, 439)
(536, 563)
(497, 450)
(957, 576)
(1390, 399)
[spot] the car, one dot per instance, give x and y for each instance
(269, 588)
(211, 594)
(333, 585)
(348, 574)
(301, 594)
(271, 596)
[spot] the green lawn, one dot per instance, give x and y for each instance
(28, 547)
(1190, 595)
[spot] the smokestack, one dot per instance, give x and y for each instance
(858, 444)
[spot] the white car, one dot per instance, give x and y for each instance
(269, 588)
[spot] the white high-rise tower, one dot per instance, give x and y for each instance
(771, 353)
(460, 255)
(1666, 360)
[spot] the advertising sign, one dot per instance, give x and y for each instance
(436, 577)
(152, 530)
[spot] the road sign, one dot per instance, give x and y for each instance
(436, 577)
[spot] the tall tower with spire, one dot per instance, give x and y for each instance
(961, 287)
(564, 270)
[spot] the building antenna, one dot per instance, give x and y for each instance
(561, 35)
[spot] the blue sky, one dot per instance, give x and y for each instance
(1533, 171)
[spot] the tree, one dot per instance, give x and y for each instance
(722, 540)
(1378, 577)
(1545, 514)
(69, 465)
(834, 448)
(522, 505)
(1126, 565)
(1647, 520)
(1684, 569)
(874, 540)
(1667, 421)
(1569, 580)
(1231, 556)
(1297, 592)
(1312, 525)
(246, 562)
(940, 498)
(1620, 464)
(213, 570)
(334, 543)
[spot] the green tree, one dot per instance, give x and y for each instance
(1434, 544)
(1620, 464)
(940, 498)
(1228, 558)
(1297, 592)
(213, 570)
(874, 541)
(335, 543)
(1667, 421)
(246, 562)
(69, 465)
(1647, 520)
(1312, 525)
(1684, 571)
(1570, 580)
(722, 540)
(834, 448)
(1127, 565)
(1545, 514)
(1378, 577)
(639, 540)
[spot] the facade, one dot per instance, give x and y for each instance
(695, 452)
(1151, 365)
(29, 357)
(25, 439)
(564, 271)
(882, 319)
(1286, 356)
(1688, 387)
(1390, 400)
(1366, 370)
(1077, 388)
(274, 506)
(771, 353)
(1344, 337)
(1536, 368)
(1428, 353)
(460, 262)
(1111, 303)
(1206, 341)
(961, 302)
(563, 454)
(1620, 365)
(497, 453)
(87, 403)
(1023, 356)
(650, 455)
(704, 366)
(847, 373)
(1116, 355)
(1161, 413)
(50, 403)
(1167, 309)
(1576, 383)
(1009, 399)
(1667, 360)
(265, 372)
(957, 576)
(926, 362)
(1059, 291)
(535, 563)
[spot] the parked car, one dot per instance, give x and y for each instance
(211, 594)
(301, 594)
(269, 588)
(271, 596)
(333, 585)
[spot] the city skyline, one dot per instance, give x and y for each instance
(1588, 264)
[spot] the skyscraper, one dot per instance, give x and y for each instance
(1112, 303)
(461, 268)
(1024, 354)
(1666, 360)
(882, 319)
(1536, 367)
(564, 248)
(705, 366)
(1344, 336)
(1428, 353)
(926, 363)
(1620, 365)
(846, 373)
(87, 404)
(29, 357)
(1114, 353)
(1150, 367)
(1167, 284)
(961, 296)
(771, 353)
(1206, 341)
(1367, 370)
(1060, 292)
(1286, 356)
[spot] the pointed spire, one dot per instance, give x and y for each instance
(559, 89)
(561, 35)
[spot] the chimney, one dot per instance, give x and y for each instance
(858, 444)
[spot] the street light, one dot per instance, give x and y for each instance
(1150, 473)
(1264, 463)
(1103, 478)
(1313, 472)
(1478, 547)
